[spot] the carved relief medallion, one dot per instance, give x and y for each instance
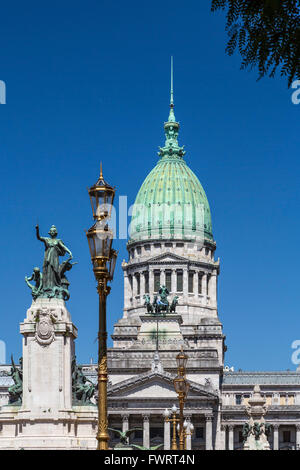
(44, 334)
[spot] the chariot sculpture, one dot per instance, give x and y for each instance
(160, 304)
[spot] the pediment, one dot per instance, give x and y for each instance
(156, 385)
(168, 257)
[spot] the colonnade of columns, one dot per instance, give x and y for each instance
(205, 421)
(231, 442)
(203, 283)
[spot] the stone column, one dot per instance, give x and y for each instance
(185, 283)
(275, 437)
(142, 284)
(125, 422)
(297, 436)
(208, 433)
(231, 438)
(213, 289)
(195, 286)
(127, 291)
(204, 284)
(134, 287)
(146, 431)
(163, 277)
(173, 281)
(151, 281)
(167, 436)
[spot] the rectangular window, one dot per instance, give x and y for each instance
(286, 436)
(268, 399)
(138, 434)
(282, 400)
(191, 282)
(138, 284)
(168, 281)
(291, 400)
(246, 398)
(241, 439)
(200, 283)
(238, 399)
(179, 281)
(113, 435)
(146, 283)
(156, 281)
(156, 432)
(199, 433)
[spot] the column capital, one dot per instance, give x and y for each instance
(146, 417)
(208, 417)
(125, 417)
(275, 427)
(231, 427)
(298, 427)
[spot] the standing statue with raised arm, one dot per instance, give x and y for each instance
(54, 282)
(54, 248)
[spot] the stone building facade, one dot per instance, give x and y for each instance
(171, 244)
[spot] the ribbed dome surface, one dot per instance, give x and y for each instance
(171, 202)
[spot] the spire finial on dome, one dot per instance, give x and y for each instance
(171, 147)
(171, 114)
(171, 100)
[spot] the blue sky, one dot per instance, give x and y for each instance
(89, 81)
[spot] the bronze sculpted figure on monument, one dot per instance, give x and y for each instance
(37, 277)
(16, 390)
(160, 303)
(82, 388)
(53, 281)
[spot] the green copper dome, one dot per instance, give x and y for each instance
(171, 203)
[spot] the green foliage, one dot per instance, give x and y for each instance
(266, 33)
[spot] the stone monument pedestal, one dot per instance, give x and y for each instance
(46, 418)
(48, 348)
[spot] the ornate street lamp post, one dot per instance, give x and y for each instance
(103, 258)
(173, 420)
(188, 431)
(181, 386)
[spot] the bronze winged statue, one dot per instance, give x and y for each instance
(124, 435)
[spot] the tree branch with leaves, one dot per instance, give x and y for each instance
(266, 33)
